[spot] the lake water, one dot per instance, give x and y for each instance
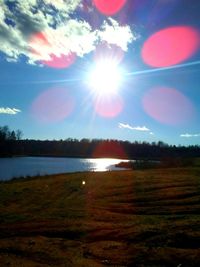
(32, 166)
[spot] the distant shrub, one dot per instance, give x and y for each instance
(176, 162)
(138, 164)
(168, 162)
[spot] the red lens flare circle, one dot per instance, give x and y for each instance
(39, 43)
(63, 61)
(108, 149)
(170, 46)
(168, 106)
(52, 105)
(109, 107)
(109, 7)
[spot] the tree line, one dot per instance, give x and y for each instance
(12, 144)
(7, 134)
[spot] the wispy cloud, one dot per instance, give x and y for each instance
(9, 111)
(136, 128)
(187, 135)
(63, 32)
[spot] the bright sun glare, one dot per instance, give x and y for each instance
(105, 78)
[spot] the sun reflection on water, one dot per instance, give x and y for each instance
(105, 164)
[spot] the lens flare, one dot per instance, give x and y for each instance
(52, 105)
(109, 7)
(60, 62)
(171, 46)
(109, 107)
(41, 47)
(111, 52)
(168, 106)
(109, 148)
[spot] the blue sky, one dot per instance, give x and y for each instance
(49, 49)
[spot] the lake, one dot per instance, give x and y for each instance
(32, 166)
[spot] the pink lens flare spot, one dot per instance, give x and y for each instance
(41, 47)
(63, 61)
(38, 42)
(168, 106)
(110, 52)
(171, 46)
(109, 7)
(110, 106)
(53, 105)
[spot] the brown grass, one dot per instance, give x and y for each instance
(125, 218)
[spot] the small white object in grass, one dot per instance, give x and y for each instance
(83, 182)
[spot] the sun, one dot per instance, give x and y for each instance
(105, 77)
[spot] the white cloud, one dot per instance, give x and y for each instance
(63, 31)
(136, 128)
(113, 33)
(9, 111)
(63, 5)
(187, 135)
(74, 36)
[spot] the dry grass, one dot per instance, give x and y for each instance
(125, 218)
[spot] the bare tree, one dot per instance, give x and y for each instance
(19, 134)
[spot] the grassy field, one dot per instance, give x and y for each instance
(124, 218)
